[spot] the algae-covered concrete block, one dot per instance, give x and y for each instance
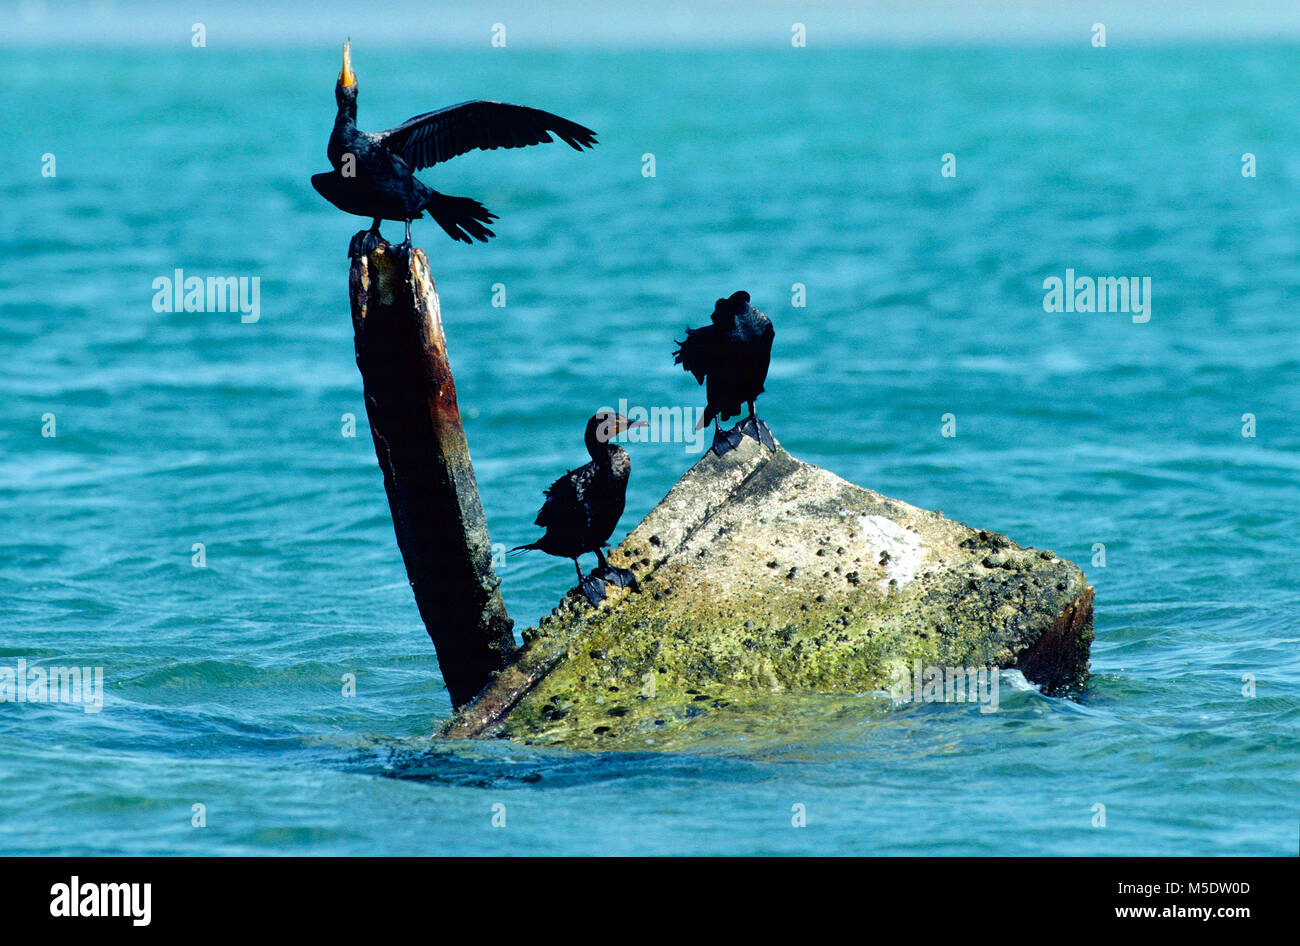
(764, 582)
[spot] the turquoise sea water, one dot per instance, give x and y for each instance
(924, 297)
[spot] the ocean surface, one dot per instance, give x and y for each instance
(224, 684)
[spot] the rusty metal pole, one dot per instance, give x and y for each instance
(420, 443)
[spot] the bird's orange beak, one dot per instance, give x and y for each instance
(347, 77)
(621, 424)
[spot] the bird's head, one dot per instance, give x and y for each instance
(605, 426)
(726, 310)
(345, 90)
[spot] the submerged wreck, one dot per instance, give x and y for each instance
(764, 583)
(760, 574)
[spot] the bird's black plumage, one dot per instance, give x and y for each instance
(732, 354)
(374, 176)
(583, 506)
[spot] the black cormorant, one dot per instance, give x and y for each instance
(373, 171)
(583, 506)
(733, 353)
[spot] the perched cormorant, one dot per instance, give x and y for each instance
(373, 177)
(583, 506)
(733, 353)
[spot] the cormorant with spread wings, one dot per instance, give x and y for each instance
(373, 172)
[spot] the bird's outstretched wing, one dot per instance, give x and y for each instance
(434, 137)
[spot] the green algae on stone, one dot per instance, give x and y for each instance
(765, 578)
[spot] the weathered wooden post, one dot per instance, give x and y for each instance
(420, 443)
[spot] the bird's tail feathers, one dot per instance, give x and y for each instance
(463, 218)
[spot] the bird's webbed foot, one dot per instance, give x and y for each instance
(726, 440)
(402, 251)
(755, 428)
(593, 587)
(363, 242)
(622, 577)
